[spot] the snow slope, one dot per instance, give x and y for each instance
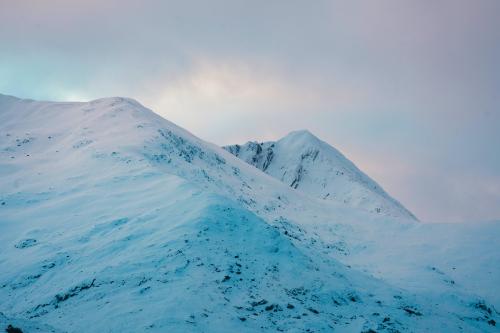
(113, 219)
(304, 162)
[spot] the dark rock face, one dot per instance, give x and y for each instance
(260, 155)
(12, 329)
(29, 242)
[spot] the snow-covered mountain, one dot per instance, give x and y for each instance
(304, 162)
(114, 219)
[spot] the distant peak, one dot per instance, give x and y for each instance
(300, 133)
(301, 136)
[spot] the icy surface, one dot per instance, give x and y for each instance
(113, 219)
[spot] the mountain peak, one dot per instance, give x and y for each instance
(117, 100)
(303, 136)
(301, 133)
(305, 162)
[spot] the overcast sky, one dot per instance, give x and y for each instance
(408, 90)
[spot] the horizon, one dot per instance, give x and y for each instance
(408, 92)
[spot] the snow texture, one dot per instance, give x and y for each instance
(113, 219)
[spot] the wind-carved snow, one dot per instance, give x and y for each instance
(304, 162)
(114, 219)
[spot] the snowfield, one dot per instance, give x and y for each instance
(113, 219)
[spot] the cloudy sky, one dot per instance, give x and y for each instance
(408, 90)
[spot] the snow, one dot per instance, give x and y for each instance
(114, 219)
(304, 162)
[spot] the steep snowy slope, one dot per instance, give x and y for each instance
(304, 162)
(114, 219)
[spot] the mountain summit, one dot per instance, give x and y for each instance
(306, 163)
